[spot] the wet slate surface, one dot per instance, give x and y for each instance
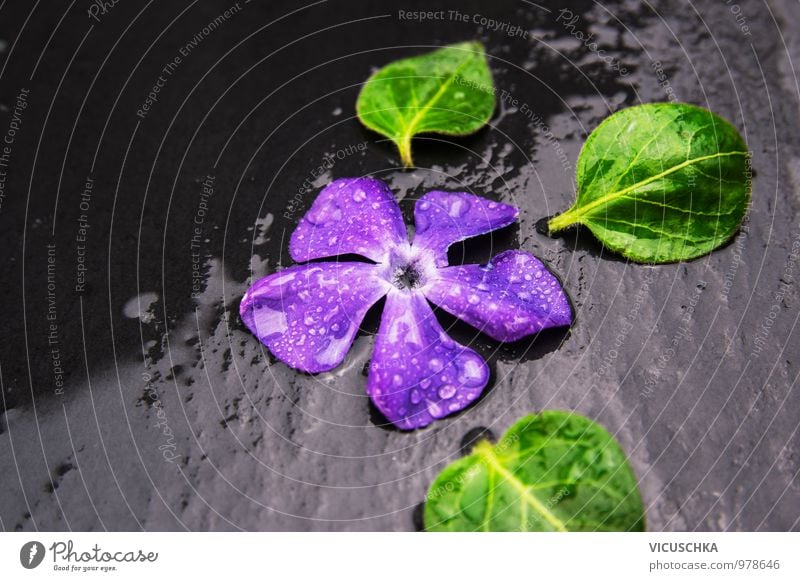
(171, 416)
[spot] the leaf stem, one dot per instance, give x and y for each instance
(561, 221)
(404, 145)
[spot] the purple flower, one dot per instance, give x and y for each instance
(308, 314)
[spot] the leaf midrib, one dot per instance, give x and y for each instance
(610, 197)
(408, 129)
(486, 453)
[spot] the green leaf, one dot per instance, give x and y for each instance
(554, 471)
(661, 182)
(448, 91)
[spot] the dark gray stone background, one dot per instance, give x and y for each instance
(260, 103)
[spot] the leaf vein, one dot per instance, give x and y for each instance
(607, 198)
(489, 458)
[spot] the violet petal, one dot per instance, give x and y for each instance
(443, 218)
(418, 373)
(308, 315)
(511, 297)
(350, 216)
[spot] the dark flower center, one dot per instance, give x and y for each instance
(407, 277)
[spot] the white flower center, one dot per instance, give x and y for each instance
(409, 268)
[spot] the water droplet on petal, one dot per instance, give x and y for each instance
(423, 223)
(416, 396)
(436, 410)
(447, 391)
(472, 372)
(458, 206)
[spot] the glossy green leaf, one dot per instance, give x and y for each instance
(661, 182)
(554, 471)
(448, 91)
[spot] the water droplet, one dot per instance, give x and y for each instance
(423, 223)
(458, 207)
(141, 307)
(359, 196)
(472, 372)
(436, 410)
(436, 365)
(416, 396)
(473, 299)
(397, 380)
(447, 391)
